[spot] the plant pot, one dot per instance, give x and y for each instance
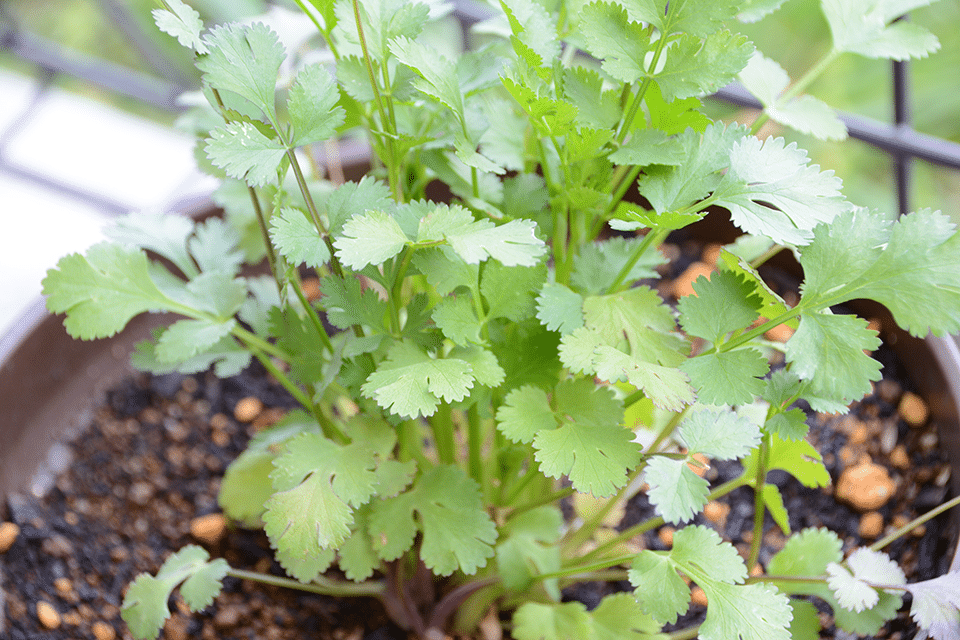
(50, 383)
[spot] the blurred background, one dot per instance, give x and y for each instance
(88, 103)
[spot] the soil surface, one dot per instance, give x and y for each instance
(145, 478)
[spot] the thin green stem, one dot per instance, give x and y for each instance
(475, 444)
(520, 485)
(653, 238)
(685, 634)
(321, 585)
(758, 330)
(256, 342)
(267, 245)
(396, 289)
(588, 568)
(759, 507)
(766, 255)
(314, 318)
(913, 524)
(575, 539)
(550, 498)
(442, 425)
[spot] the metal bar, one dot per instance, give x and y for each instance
(902, 163)
(883, 136)
(116, 78)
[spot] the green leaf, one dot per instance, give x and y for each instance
(912, 267)
(215, 246)
(533, 27)
(527, 548)
(770, 189)
(455, 317)
(245, 154)
(102, 291)
(438, 75)
(766, 80)
(671, 188)
(936, 605)
(719, 434)
(698, 67)
(244, 60)
(590, 445)
(730, 377)
(144, 606)
(598, 264)
(409, 383)
(864, 28)
(351, 197)
(445, 270)
(658, 588)
(797, 457)
(667, 387)
(246, 487)
(512, 244)
(554, 621)
(677, 493)
(619, 617)
(525, 412)
(457, 531)
(312, 106)
(850, 583)
(807, 553)
(648, 146)
(750, 612)
(297, 239)
(773, 501)
(596, 108)
(382, 21)
(715, 559)
(559, 308)
(752, 11)
(317, 484)
(348, 304)
(828, 351)
(724, 303)
(370, 238)
(164, 234)
(791, 425)
(181, 22)
(675, 116)
(356, 555)
(185, 339)
(805, 624)
(510, 291)
(620, 43)
(696, 18)
(549, 116)
(639, 316)
(486, 369)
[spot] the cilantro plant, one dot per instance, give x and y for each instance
(472, 361)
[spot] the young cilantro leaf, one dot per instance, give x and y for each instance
(796, 457)
(382, 22)
(297, 239)
(356, 556)
(640, 316)
(773, 305)
(559, 308)
(513, 244)
(648, 146)
(245, 154)
(805, 624)
(914, 275)
(145, 603)
(509, 291)
(183, 23)
(409, 383)
(935, 605)
(724, 303)
(658, 588)
(698, 67)
(369, 194)
(312, 106)
(677, 493)
(828, 351)
(754, 10)
(244, 60)
(590, 445)
(533, 27)
(348, 304)
(370, 238)
(438, 74)
(864, 28)
(619, 617)
(770, 189)
(766, 80)
(549, 116)
(486, 369)
(773, 502)
(166, 235)
(317, 484)
(729, 377)
(227, 357)
(719, 434)
(599, 263)
(620, 43)
(215, 245)
(596, 108)
(554, 621)
(671, 188)
(457, 531)
(185, 339)
(849, 583)
(445, 270)
(525, 412)
(526, 548)
(102, 291)
(696, 17)
(456, 318)
(675, 116)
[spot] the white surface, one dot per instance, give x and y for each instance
(42, 227)
(102, 150)
(15, 95)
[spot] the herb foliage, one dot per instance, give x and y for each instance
(471, 363)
